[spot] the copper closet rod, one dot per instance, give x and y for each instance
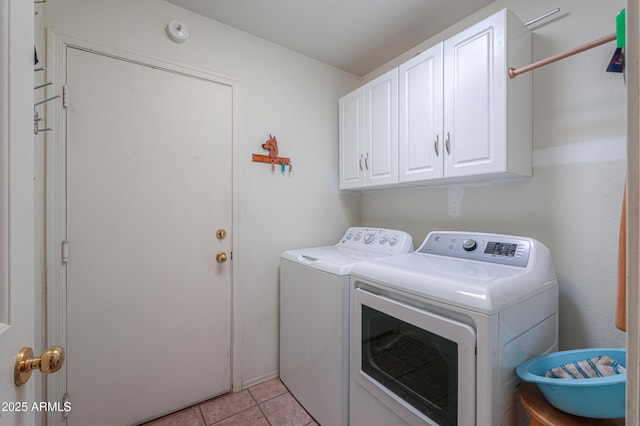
(513, 73)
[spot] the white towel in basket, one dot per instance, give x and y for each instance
(600, 366)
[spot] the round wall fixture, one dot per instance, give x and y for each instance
(178, 31)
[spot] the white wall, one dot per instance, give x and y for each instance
(573, 201)
(280, 93)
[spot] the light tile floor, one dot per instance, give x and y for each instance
(268, 403)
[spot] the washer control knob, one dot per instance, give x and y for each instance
(393, 241)
(469, 244)
(382, 240)
(368, 239)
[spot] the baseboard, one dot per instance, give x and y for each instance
(252, 382)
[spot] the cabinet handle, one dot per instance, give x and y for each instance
(447, 144)
(366, 161)
(360, 162)
(435, 146)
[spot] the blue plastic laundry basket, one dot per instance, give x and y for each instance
(600, 397)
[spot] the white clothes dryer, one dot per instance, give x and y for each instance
(437, 334)
(314, 317)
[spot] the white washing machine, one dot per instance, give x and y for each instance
(314, 317)
(437, 334)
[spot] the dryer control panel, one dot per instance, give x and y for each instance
(492, 248)
(377, 240)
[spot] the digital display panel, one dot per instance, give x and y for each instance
(501, 249)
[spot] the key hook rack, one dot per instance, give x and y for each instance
(271, 145)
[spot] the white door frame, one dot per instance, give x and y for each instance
(57, 43)
(632, 53)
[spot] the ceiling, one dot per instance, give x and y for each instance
(354, 35)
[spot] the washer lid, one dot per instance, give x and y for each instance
(478, 286)
(358, 244)
(332, 259)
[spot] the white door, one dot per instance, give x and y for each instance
(16, 208)
(351, 110)
(381, 129)
(148, 185)
(421, 144)
(474, 99)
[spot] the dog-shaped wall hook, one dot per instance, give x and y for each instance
(271, 145)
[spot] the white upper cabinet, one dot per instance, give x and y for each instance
(351, 119)
(369, 134)
(420, 151)
(381, 130)
(451, 113)
(487, 115)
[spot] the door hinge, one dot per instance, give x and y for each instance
(65, 96)
(65, 251)
(66, 406)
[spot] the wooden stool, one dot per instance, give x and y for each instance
(544, 414)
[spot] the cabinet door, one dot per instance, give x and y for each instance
(420, 147)
(351, 110)
(381, 130)
(474, 99)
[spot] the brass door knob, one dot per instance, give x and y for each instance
(221, 257)
(49, 362)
